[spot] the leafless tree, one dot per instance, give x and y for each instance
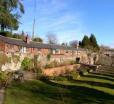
(74, 43)
(52, 38)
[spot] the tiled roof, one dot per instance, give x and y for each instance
(35, 44)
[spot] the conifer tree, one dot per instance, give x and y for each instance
(93, 42)
(85, 42)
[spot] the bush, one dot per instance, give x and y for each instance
(52, 65)
(44, 78)
(17, 36)
(27, 64)
(49, 66)
(15, 58)
(69, 77)
(72, 62)
(37, 39)
(90, 70)
(60, 78)
(5, 78)
(2, 76)
(6, 34)
(84, 72)
(48, 57)
(75, 75)
(39, 72)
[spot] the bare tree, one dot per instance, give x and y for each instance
(52, 38)
(74, 43)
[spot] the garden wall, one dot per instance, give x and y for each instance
(60, 70)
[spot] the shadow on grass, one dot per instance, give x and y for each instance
(84, 94)
(58, 93)
(99, 77)
(105, 74)
(99, 84)
(106, 71)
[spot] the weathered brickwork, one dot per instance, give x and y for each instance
(57, 52)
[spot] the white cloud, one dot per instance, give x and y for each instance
(54, 16)
(49, 7)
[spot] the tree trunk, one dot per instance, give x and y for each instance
(2, 27)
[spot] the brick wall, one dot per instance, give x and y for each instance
(11, 48)
(2, 46)
(60, 70)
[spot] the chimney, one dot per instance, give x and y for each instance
(26, 39)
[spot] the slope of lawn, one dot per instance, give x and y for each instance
(94, 88)
(38, 92)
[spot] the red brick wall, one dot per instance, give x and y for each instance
(45, 51)
(2, 46)
(11, 48)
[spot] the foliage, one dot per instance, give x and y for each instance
(89, 43)
(52, 64)
(5, 78)
(17, 36)
(11, 35)
(75, 74)
(39, 71)
(10, 12)
(6, 33)
(56, 64)
(27, 63)
(96, 88)
(93, 42)
(83, 72)
(72, 62)
(15, 58)
(44, 78)
(60, 78)
(49, 57)
(85, 42)
(2, 76)
(37, 39)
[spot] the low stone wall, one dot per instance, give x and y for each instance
(60, 70)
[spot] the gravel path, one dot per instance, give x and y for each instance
(1, 96)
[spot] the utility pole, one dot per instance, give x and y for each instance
(34, 20)
(33, 29)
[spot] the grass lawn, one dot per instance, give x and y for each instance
(89, 89)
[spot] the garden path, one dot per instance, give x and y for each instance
(1, 95)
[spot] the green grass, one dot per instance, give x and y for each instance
(88, 89)
(38, 92)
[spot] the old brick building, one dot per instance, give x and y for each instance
(25, 46)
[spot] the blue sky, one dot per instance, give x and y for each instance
(70, 19)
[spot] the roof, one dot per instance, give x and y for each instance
(32, 44)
